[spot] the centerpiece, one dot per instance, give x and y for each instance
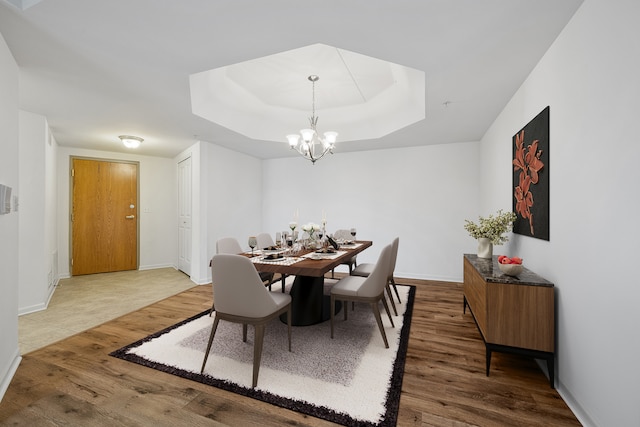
(490, 231)
(311, 229)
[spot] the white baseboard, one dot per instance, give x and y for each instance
(205, 281)
(575, 407)
(7, 376)
(39, 307)
(155, 266)
(427, 277)
(32, 309)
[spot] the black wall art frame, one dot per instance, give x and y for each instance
(531, 178)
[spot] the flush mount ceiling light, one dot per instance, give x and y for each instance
(312, 146)
(131, 141)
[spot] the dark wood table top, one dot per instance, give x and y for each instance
(313, 267)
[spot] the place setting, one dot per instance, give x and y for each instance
(324, 253)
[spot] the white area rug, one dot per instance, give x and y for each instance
(351, 379)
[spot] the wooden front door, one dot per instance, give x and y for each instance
(104, 216)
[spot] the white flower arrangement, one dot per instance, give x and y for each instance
(310, 228)
(492, 227)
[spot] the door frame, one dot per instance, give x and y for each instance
(178, 187)
(70, 219)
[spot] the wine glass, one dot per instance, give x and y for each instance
(253, 242)
(290, 242)
(353, 233)
(278, 239)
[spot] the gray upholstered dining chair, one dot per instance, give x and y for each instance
(230, 245)
(351, 262)
(265, 241)
(365, 289)
(365, 270)
(240, 297)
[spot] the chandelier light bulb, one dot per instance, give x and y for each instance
(307, 134)
(293, 139)
(331, 137)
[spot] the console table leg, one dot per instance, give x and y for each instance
(464, 304)
(551, 368)
(488, 358)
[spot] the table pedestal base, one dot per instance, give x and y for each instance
(309, 305)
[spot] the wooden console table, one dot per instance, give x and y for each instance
(513, 314)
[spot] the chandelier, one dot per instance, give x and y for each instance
(308, 143)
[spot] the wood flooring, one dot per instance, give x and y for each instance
(74, 382)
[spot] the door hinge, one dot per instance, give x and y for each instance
(73, 172)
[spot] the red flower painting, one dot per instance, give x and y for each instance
(530, 202)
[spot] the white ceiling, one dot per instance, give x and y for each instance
(267, 98)
(98, 69)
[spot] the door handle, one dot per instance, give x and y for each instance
(130, 216)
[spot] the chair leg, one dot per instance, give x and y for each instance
(395, 288)
(345, 308)
(283, 282)
(376, 313)
(390, 295)
(213, 332)
(386, 307)
(244, 332)
(332, 271)
(257, 352)
(213, 308)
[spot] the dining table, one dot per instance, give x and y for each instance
(309, 304)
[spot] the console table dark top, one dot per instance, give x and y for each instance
(490, 272)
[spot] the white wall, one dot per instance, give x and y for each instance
(38, 226)
(233, 197)
(590, 80)
(157, 211)
(420, 194)
(9, 127)
(227, 201)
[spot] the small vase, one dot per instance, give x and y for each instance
(485, 248)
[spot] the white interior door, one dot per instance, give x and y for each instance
(184, 216)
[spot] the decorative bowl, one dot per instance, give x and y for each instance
(511, 269)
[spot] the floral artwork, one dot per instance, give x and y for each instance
(531, 178)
